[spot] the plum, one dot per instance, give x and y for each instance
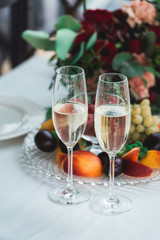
(104, 158)
(45, 140)
(64, 148)
(152, 142)
(118, 164)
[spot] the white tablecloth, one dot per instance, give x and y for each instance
(25, 210)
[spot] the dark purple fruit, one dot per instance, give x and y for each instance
(45, 141)
(104, 158)
(152, 142)
(64, 148)
(118, 164)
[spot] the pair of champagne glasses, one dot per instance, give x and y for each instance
(112, 122)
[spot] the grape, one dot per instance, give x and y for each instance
(142, 121)
(135, 136)
(136, 110)
(140, 128)
(148, 121)
(132, 129)
(156, 128)
(155, 119)
(146, 111)
(150, 130)
(145, 102)
(137, 119)
(143, 137)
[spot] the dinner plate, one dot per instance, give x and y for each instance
(18, 116)
(39, 164)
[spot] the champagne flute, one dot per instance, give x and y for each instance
(112, 123)
(69, 113)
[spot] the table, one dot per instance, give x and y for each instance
(25, 210)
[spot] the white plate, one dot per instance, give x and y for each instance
(18, 116)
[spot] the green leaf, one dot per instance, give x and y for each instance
(127, 148)
(153, 71)
(144, 81)
(55, 134)
(126, 64)
(48, 113)
(67, 21)
(80, 54)
(64, 40)
(39, 39)
(149, 42)
(91, 41)
(118, 45)
(134, 94)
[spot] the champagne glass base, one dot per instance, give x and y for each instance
(110, 204)
(66, 196)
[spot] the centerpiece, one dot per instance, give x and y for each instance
(124, 41)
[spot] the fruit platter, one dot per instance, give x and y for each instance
(138, 161)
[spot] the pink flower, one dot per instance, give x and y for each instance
(138, 86)
(141, 58)
(139, 12)
(150, 78)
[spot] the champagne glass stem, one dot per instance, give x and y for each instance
(111, 174)
(70, 167)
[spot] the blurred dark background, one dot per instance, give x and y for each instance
(18, 15)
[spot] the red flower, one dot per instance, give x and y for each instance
(98, 16)
(87, 26)
(120, 14)
(152, 97)
(85, 32)
(107, 51)
(80, 38)
(99, 45)
(135, 46)
(156, 30)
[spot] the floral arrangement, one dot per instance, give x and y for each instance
(126, 40)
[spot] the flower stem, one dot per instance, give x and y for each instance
(84, 6)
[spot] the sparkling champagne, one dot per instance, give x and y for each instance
(112, 126)
(70, 121)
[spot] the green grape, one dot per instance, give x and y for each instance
(145, 102)
(137, 119)
(145, 111)
(155, 119)
(132, 129)
(147, 122)
(140, 128)
(136, 110)
(135, 136)
(150, 130)
(156, 128)
(143, 137)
